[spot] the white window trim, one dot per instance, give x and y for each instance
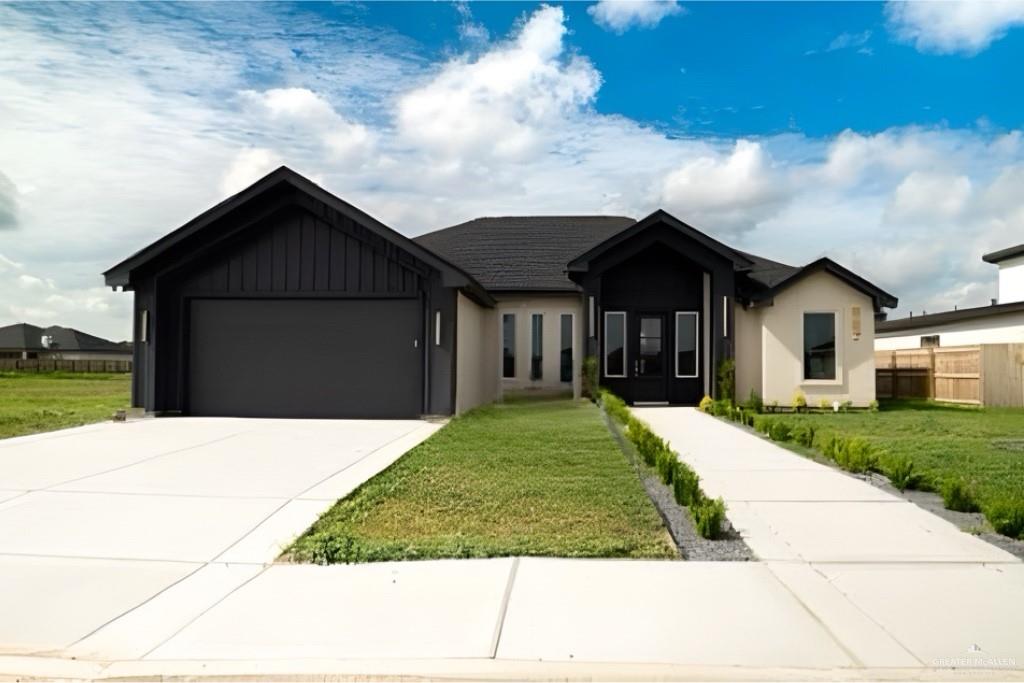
(625, 344)
(837, 319)
(696, 340)
(572, 346)
(501, 347)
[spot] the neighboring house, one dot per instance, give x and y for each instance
(284, 300)
(28, 342)
(1000, 323)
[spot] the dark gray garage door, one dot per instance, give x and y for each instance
(305, 358)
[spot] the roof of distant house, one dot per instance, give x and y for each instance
(947, 317)
(26, 337)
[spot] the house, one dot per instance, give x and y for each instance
(286, 301)
(27, 342)
(1002, 322)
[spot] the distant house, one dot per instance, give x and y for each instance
(286, 301)
(1002, 322)
(30, 342)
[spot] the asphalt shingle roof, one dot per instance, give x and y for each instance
(522, 252)
(26, 337)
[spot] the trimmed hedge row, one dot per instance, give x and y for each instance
(855, 454)
(708, 514)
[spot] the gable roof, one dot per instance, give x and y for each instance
(582, 261)
(948, 317)
(120, 275)
(764, 283)
(26, 337)
(1004, 254)
(508, 253)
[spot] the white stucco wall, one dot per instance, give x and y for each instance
(551, 307)
(476, 365)
(748, 351)
(781, 345)
(1011, 280)
(1007, 328)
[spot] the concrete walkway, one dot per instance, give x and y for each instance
(813, 609)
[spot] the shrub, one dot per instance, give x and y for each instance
(708, 516)
(588, 378)
(856, 455)
(705, 404)
(773, 406)
(779, 430)
(957, 495)
(762, 424)
(754, 402)
(845, 406)
(648, 444)
(901, 473)
(799, 401)
(666, 464)
(686, 485)
(873, 406)
(727, 380)
(803, 434)
(1006, 515)
(721, 408)
(616, 407)
(824, 404)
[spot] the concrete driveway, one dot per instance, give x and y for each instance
(97, 521)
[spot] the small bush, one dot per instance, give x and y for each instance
(1006, 515)
(845, 406)
(779, 430)
(773, 406)
(799, 401)
(803, 434)
(727, 380)
(666, 464)
(754, 402)
(957, 495)
(901, 473)
(722, 408)
(856, 455)
(588, 378)
(708, 516)
(648, 444)
(616, 407)
(686, 486)
(705, 404)
(762, 424)
(873, 406)
(824, 404)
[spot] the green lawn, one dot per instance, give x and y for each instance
(521, 478)
(38, 402)
(983, 445)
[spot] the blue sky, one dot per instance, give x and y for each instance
(886, 136)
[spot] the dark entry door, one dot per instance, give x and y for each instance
(650, 366)
(327, 358)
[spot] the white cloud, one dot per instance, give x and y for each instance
(849, 40)
(928, 197)
(469, 30)
(502, 104)
(621, 15)
(949, 26)
(248, 166)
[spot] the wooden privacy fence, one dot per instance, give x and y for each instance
(989, 374)
(52, 365)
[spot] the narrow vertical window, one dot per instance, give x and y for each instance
(725, 316)
(819, 346)
(144, 326)
(537, 346)
(437, 328)
(591, 318)
(508, 345)
(687, 329)
(565, 359)
(614, 344)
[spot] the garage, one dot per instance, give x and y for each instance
(318, 358)
(285, 301)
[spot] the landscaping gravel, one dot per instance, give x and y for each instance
(692, 546)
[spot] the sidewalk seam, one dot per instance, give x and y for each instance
(503, 609)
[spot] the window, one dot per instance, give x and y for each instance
(144, 326)
(819, 346)
(437, 328)
(508, 345)
(536, 346)
(591, 320)
(687, 328)
(565, 359)
(929, 341)
(614, 344)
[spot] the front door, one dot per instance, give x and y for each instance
(650, 365)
